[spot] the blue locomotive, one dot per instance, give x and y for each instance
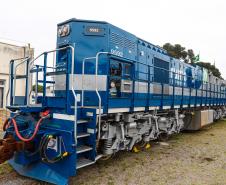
(105, 90)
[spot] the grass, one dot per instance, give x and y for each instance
(5, 168)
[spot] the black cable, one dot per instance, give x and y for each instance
(45, 157)
(39, 147)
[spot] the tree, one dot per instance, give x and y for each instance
(191, 55)
(179, 52)
(176, 51)
(216, 72)
(40, 88)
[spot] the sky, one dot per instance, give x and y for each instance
(195, 24)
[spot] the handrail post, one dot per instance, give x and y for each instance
(97, 92)
(73, 91)
(36, 85)
(26, 93)
(44, 79)
(11, 81)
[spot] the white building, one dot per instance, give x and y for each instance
(7, 53)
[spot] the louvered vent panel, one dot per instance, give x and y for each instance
(129, 44)
(121, 41)
(117, 39)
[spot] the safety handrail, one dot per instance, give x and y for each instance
(13, 60)
(96, 85)
(35, 69)
(15, 71)
(74, 94)
(36, 85)
(97, 92)
(32, 62)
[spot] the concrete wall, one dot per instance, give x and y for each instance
(7, 53)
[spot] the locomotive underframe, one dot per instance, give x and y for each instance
(122, 131)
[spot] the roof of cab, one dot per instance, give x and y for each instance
(80, 20)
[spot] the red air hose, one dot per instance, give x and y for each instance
(6, 124)
(13, 121)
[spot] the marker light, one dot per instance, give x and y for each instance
(64, 30)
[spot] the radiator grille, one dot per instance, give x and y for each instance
(117, 39)
(129, 44)
(122, 41)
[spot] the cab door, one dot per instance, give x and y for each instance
(120, 84)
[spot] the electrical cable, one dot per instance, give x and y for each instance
(39, 147)
(6, 123)
(13, 121)
(43, 145)
(44, 155)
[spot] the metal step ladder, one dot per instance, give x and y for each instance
(83, 162)
(86, 138)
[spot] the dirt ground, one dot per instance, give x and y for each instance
(197, 158)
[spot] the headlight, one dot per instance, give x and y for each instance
(113, 84)
(64, 30)
(60, 31)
